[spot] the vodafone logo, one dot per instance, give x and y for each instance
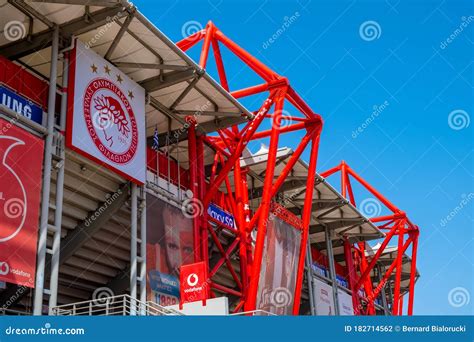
(4, 268)
(192, 279)
(13, 200)
(110, 120)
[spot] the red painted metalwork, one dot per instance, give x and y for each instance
(194, 187)
(396, 224)
(230, 143)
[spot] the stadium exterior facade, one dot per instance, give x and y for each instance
(133, 161)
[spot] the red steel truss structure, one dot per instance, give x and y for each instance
(229, 145)
(396, 225)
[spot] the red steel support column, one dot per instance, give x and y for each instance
(239, 190)
(286, 170)
(398, 274)
(246, 244)
(206, 45)
(306, 217)
(193, 184)
(343, 179)
(368, 282)
(352, 275)
(201, 178)
(411, 294)
(220, 65)
(250, 303)
(400, 306)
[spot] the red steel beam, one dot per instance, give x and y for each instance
(351, 271)
(220, 64)
(206, 45)
(284, 173)
(258, 67)
(306, 217)
(250, 303)
(252, 127)
(411, 295)
(398, 274)
(222, 260)
(193, 185)
(225, 289)
(389, 271)
(377, 254)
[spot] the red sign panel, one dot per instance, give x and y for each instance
(193, 283)
(21, 162)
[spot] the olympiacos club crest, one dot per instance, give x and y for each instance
(106, 115)
(110, 121)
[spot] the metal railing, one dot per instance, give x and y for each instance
(122, 305)
(254, 313)
(10, 312)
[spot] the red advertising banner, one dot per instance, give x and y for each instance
(194, 285)
(21, 163)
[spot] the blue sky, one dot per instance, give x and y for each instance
(417, 150)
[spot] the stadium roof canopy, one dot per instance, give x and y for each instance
(330, 208)
(388, 256)
(115, 29)
(99, 254)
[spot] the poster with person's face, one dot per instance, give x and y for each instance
(279, 267)
(169, 245)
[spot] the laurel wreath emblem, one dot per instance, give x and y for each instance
(110, 110)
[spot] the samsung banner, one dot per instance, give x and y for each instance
(279, 264)
(20, 105)
(169, 246)
(21, 164)
(324, 299)
(106, 115)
